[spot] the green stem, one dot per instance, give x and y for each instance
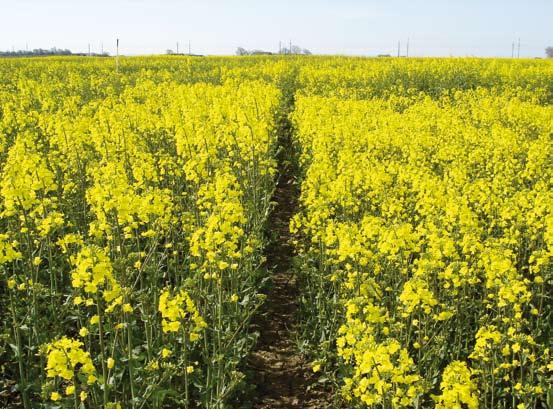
(185, 356)
(129, 356)
(22, 377)
(102, 352)
(75, 398)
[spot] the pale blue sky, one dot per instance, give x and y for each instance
(434, 27)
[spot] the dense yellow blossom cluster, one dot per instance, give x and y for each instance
(458, 389)
(179, 309)
(65, 356)
(68, 361)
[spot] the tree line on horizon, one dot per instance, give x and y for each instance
(293, 49)
(47, 52)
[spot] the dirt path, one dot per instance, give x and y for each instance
(282, 376)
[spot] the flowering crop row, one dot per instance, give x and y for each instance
(131, 215)
(425, 243)
(393, 78)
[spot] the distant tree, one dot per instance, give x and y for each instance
(241, 51)
(36, 52)
(169, 52)
(39, 52)
(549, 52)
(295, 50)
(259, 52)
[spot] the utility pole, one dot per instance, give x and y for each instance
(407, 53)
(290, 49)
(117, 57)
(102, 47)
(518, 51)
(189, 48)
(513, 50)
(89, 49)
(398, 47)
(177, 47)
(280, 47)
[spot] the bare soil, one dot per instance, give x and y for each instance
(282, 376)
